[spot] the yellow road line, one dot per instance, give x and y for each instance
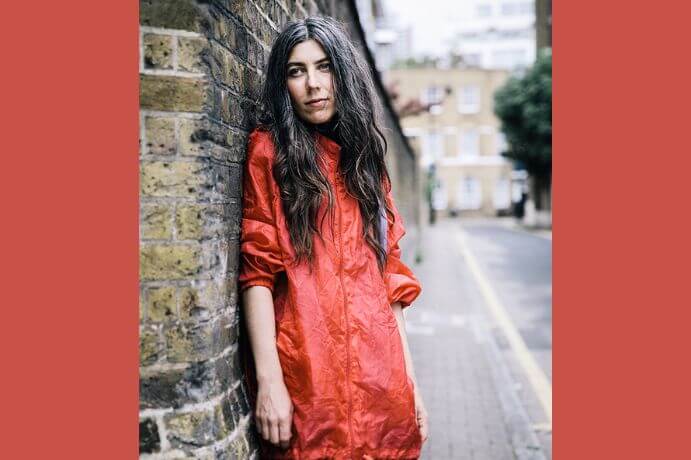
(536, 376)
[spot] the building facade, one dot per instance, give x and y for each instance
(496, 34)
(459, 138)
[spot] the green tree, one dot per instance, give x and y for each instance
(524, 106)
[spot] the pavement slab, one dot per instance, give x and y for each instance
(471, 390)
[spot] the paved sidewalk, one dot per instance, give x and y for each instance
(470, 395)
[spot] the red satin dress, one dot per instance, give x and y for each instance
(336, 334)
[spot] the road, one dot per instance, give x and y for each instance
(519, 267)
(480, 336)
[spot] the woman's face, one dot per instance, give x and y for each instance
(310, 82)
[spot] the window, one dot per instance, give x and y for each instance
(434, 145)
(502, 194)
(469, 196)
(516, 8)
(469, 99)
(469, 143)
(484, 10)
(433, 95)
(509, 9)
(439, 198)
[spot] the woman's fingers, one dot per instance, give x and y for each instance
(274, 414)
(263, 428)
(273, 431)
(421, 416)
(284, 431)
(424, 430)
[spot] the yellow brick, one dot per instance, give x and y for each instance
(189, 222)
(188, 145)
(192, 342)
(177, 94)
(150, 347)
(169, 179)
(158, 51)
(160, 135)
(161, 304)
(238, 448)
(156, 222)
(179, 346)
(220, 422)
(197, 428)
(202, 298)
(168, 262)
(189, 54)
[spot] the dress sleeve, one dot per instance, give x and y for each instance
(260, 257)
(401, 284)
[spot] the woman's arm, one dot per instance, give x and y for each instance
(400, 319)
(274, 411)
(421, 412)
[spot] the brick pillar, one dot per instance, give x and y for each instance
(192, 399)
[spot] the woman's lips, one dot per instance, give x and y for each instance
(317, 103)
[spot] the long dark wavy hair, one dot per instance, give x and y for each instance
(302, 184)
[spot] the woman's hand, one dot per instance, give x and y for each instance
(274, 409)
(421, 416)
(274, 413)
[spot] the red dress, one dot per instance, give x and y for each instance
(336, 334)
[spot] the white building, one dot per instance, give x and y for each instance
(496, 34)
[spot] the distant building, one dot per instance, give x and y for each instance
(387, 42)
(460, 136)
(496, 34)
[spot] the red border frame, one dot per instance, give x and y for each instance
(70, 230)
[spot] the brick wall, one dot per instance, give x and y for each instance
(200, 75)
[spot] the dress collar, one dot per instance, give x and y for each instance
(330, 145)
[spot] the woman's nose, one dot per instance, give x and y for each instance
(312, 80)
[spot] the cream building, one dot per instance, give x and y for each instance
(460, 136)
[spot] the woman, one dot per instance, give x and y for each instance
(322, 281)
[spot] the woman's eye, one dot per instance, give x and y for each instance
(294, 72)
(325, 66)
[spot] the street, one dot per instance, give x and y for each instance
(481, 339)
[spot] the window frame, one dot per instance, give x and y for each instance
(469, 153)
(473, 107)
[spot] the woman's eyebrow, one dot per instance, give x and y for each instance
(296, 63)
